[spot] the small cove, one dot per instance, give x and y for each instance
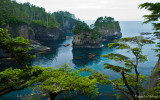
(78, 58)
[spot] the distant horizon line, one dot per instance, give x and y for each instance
(116, 20)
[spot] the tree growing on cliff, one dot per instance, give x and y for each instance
(154, 18)
(81, 27)
(13, 79)
(130, 85)
(16, 48)
(107, 23)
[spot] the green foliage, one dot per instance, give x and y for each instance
(38, 23)
(9, 76)
(14, 21)
(6, 8)
(96, 34)
(116, 68)
(154, 8)
(154, 16)
(61, 16)
(16, 48)
(156, 89)
(81, 27)
(64, 79)
(101, 23)
(49, 80)
(116, 57)
(13, 13)
(101, 78)
(15, 79)
(107, 23)
(129, 84)
(152, 93)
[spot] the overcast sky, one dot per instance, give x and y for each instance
(91, 9)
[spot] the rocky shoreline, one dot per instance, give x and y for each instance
(36, 48)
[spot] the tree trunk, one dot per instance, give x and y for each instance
(52, 95)
(128, 87)
(137, 77)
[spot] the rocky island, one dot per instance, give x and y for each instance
(104, 29)
(109, 28)
(84, 36)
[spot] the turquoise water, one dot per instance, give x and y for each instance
(79, 58)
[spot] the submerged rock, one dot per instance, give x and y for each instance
(66, 45)
(92, 55)
(145, 33)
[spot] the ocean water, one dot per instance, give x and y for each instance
(78, 58)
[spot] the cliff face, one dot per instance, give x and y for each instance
(42, 33)
(36, 32)
(153, 78)
(68, 25)
(109, 34)
(22, 31)
(86, 37)
(86, 40)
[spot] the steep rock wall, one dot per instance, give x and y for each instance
(42, 33)
(153, 78)
(22, 31)
(68, 25)
(108, 35)
(85, 40)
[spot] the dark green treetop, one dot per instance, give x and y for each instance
(154, 17)
(107, 23)
(81, 27)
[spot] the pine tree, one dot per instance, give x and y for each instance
(130, 85)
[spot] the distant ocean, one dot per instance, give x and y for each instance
(79, 58)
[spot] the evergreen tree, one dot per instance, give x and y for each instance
(130, 85)
(154, 17)
(63, 80)
(17, 49)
